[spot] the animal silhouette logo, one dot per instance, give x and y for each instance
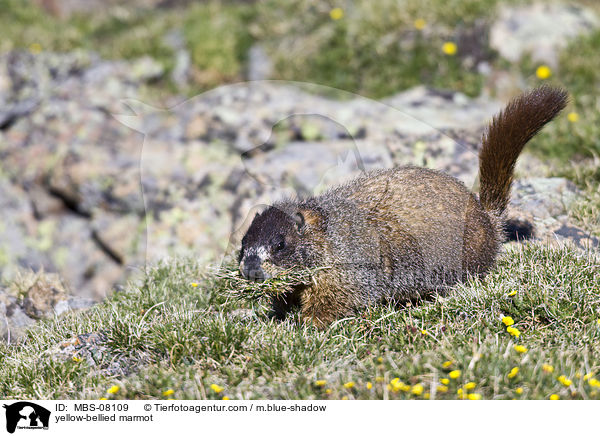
(26, 415)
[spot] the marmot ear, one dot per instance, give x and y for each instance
(299, 220)
(307, 217)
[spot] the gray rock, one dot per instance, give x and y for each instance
(540, 29)
(260, 66)
(544, 197)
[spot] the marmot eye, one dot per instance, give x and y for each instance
(280, 246)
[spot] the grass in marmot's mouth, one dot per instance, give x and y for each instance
(166, 338)
(239, 287)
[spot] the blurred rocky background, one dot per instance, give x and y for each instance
(131, 131)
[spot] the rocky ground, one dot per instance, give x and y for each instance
(94, 183)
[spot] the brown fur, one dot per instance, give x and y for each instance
(398, 234)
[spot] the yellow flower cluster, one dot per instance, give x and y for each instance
(543, 72)
(447, 364)
(417, 389)
(396, 385)
(449, 48)
(513, 331)
(216, 388)
(336, 14)
(113, 389)
(564, 380)
(454, 374)
(594, 382)
(168, 393)
(547, 368)
(349, 385)
(520, 349)
(320, 383)
(513, 372)
(508, 321)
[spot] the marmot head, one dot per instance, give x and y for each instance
(276, 241)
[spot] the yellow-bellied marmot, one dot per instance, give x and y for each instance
(395, 234)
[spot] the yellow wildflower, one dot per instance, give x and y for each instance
(587, 376)
(328, 391)
(543, 72)
(427, 395)
(419, 24)
(520, 349)
(380, 359)
(225, 398)
(336, 14)
(379, 379)
(508, 321)
(444, 381)
(454, 374)
(470, 386)
(104, 398)
(474, 396)
(113, 389)
(35, 48)
(573, 117)
(320, 383)
(547, 368)
(512, 293)
(446, 364)
(77, 359)
(513, 331)
(216, 388)
(554, 397)
(513, 372)
(369, 385)
(344, 397)
(194, 285)
(598, 321)
(519, 391)
(417, 389)
(564, 380)
(349, 385)
(168, 392)
(449, 48)
(594, 382)
(396, 385)
(423, 332)
(442, 388)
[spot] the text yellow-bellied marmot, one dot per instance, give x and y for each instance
(395, 234)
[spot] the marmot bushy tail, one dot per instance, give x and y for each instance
(398, 234)
(505, 138)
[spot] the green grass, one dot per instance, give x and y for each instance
(215, 33)
(169, 334)
(579, 73)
